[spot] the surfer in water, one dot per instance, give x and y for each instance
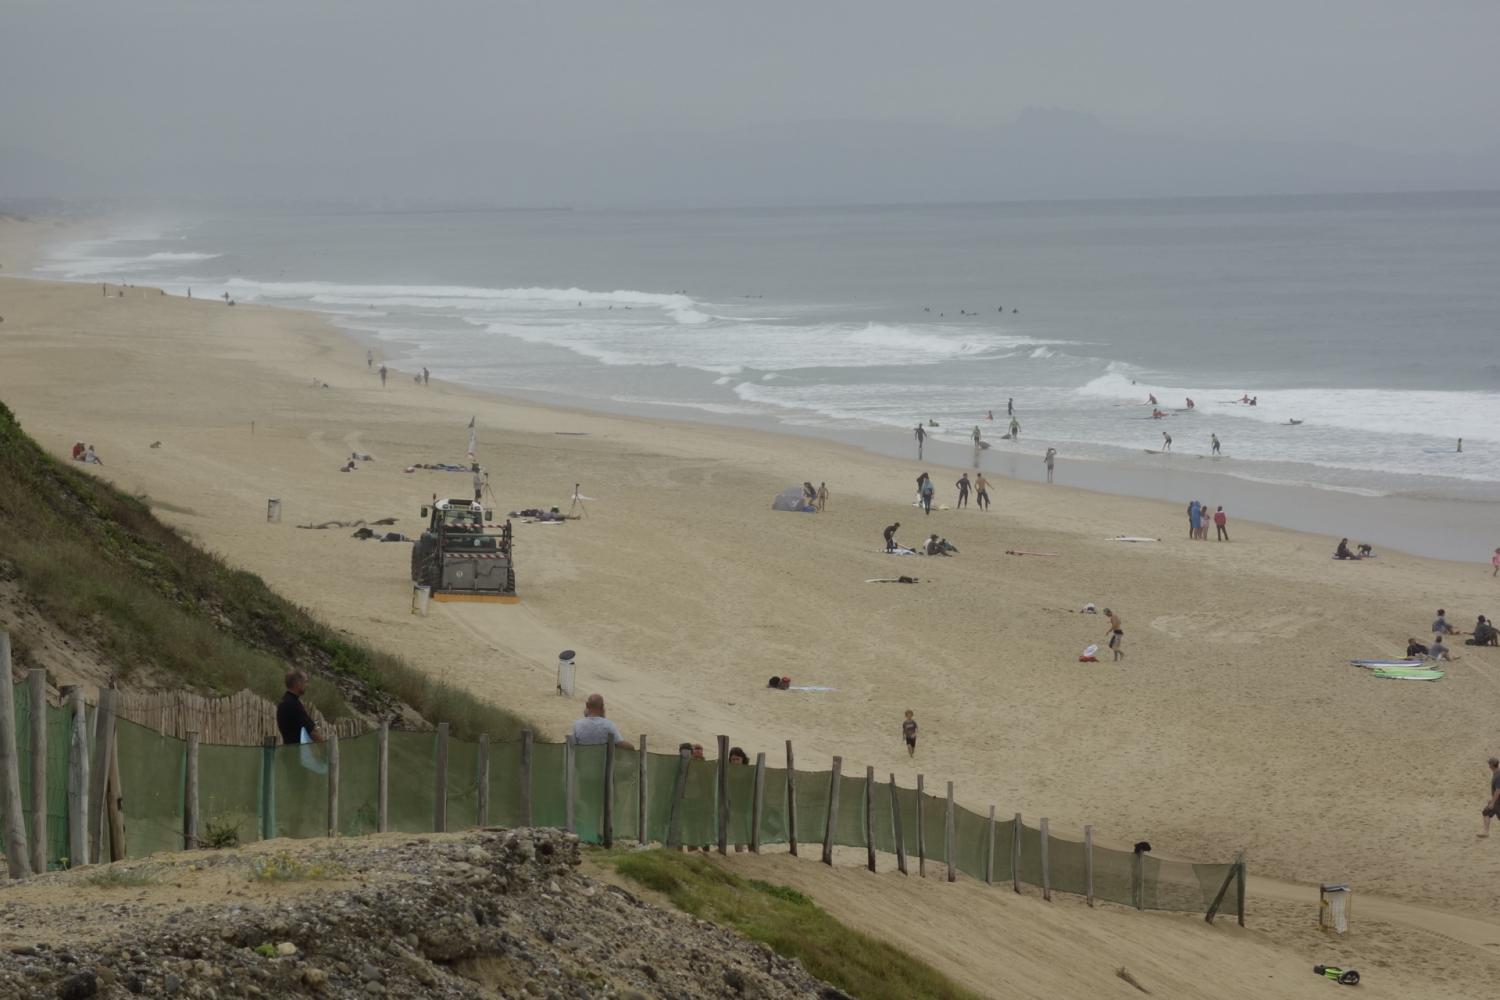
(1151, 399)
(976, 435)
(1190, 402)
(1010, 407)
(1015, 429)
(1214, 441)
(989, 414)
(1166, 441)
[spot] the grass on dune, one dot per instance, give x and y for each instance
(96, 561)
(788, 922)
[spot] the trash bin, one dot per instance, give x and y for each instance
(421, 599)
(566, 671)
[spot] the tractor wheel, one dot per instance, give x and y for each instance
(424, 561)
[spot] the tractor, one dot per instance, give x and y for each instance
(458, 559)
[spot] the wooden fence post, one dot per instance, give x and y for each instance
(37, 679)
(115, 803)
(526, 738)
(1088, 864)
(723, 811)
(757, 805)
(16, 854)
(643, 821)
(440, 791)
(921, 828)
(989, 852)
(1015, 852)
(833, 809)
(950, 837)
(791, 801)
(896, 827)
(679, 788)
(268, 788)
(1046, 864)
(1240, 890)
(570, 784)
(333, 781)
(607, 835)
(1138, 880)
(383, 777)
(78, 782)
(190, 795)
(104, 742)
(870, 818)
(482, 779)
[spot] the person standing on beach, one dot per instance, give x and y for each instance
(382, 376)
(890, 536)
(426, 376)
(1214, 439)
(1494, 802)
(927, 491)
(909, 734)
(1495, 562)
(982, 495)
(1015, 429)
(977, 437)
(963, 490)
(1010, 407)
(822, 496)
(921, 436)
(1116, 634)
(1195, 511)
(1049, 458)
(1166, 441)
(369, 359)
(1220, 521)
(292, 718)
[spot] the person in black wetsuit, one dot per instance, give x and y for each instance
(291, 715)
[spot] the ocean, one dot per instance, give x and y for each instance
(1371, 321)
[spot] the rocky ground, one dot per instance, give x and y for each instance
(485, 914)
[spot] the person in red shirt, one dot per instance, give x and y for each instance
(1220, 520)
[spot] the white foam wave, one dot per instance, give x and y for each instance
(1042, 352)
(83, 260)
(723, 380)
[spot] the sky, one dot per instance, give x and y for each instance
(618, 103)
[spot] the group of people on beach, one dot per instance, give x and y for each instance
(1199, 519)
(85, 453)
(1484, 634)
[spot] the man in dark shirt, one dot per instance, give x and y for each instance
(1494, 802)
(291, 715)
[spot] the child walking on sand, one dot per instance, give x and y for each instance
(909, 733)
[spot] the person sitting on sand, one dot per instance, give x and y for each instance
(1438, 651)
(932, 547)
(78, 450)
(348, 466)
(1440, 624)
(1484, 634)
(1342, 552)
(1414, 649)
(90, 457)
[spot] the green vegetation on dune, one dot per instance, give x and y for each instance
(96, 562)
(787, 921)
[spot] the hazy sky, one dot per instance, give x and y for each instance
(607, 102)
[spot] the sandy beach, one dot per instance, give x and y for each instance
(1233, 722)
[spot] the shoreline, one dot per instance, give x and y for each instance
(682, 591)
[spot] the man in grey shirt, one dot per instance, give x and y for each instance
(1494, 803)
(594, 729)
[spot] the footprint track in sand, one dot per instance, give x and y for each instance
(1235, 630)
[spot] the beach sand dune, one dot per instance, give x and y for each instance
(1233, 722)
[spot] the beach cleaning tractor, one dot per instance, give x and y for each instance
(459, 558)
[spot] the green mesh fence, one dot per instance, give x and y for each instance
(812, 806)
(359, 785)
(152, 776)
(773, 816)
(548, 792)
(1031, 855)
(58, 723)
(1180, 885)
(411, 788)
(627, 794)
(661, 777)
(700, 826)
(849, 826)
(463, 785)
(741, 802)
(588, 798)
(1114, 876)
(934, 829)
(1065, 858)
(1005, 836)
(505, 784)
(973, 832)
(229, 791)
(885, 828)
(300, 785)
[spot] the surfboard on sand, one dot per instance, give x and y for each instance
(1370, 664)
(1399, 674)
(1131, 538)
